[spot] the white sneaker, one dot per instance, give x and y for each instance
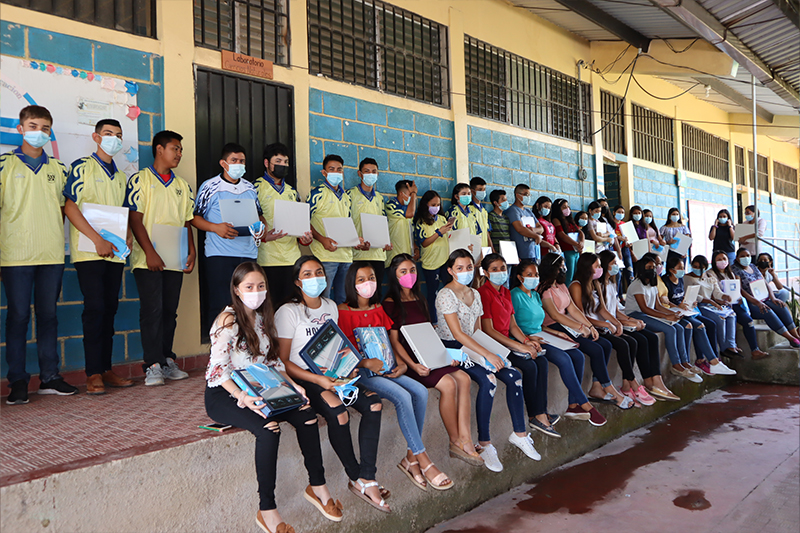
(722, 369)
(526, 445)
(694, 378)
(171, 371)
(153, 375)
(490, 459)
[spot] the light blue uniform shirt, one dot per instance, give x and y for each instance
(207, 206)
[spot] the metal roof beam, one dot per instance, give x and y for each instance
(790, 9)
(607, 22)
(735, 96)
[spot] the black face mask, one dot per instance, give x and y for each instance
(561, 277)
(649, 276)
(280, 171)
(763, 265)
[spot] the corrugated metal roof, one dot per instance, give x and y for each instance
(553, 12)
(646, 18)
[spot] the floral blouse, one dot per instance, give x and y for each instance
(227, 356)
(448, 303)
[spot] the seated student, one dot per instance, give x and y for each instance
(478, 189)
(707, 360)
(713, 306)
(362, 309)
(242, 335)
(498, 222)
(405, 305)
(646, 342)
(542, 210)
(773, 311)
(765, 265)
(156, 195)
(569, 236)
(643, 303)
(530, 315)
(400, 214)
(97, 180)
(296, 322)
(526, 236)
(721, 270)
(602, 239)
(430, 229)
(588, 292)
(364, 198)
(32, 253)
(459, 308)
(498, 322)
(722, 234)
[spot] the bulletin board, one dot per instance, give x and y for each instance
(702, 215)
(77, 100)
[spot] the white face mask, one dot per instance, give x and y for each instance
(253, 300)
(111, 145)
(236, 170)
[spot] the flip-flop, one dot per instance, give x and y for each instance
(625, 404)
(608, 398)
(362, 493)
(459, 453)
(438, 481)
(422, 484)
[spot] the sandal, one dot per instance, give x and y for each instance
(416, 479)
(471, 458)
(608, 398)
(283, 527)
(440, 482)
(332, 511)
(625, 404)
(362, 493)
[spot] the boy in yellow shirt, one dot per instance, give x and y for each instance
(365, 199)
(400, 212)
(32, 253)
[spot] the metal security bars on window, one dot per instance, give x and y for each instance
(763, 170)
(378, 45)
(256, 28)
(785, 179)
(653, 136)
(508, 88)
(612, 113)
(131, 16)
(704, 153)
(739, 163)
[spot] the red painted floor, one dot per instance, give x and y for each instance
(727, 463)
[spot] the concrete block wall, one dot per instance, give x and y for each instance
(655, 190)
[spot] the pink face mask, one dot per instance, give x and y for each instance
(407, 280)
(367, 289)
(566, 212)
(722, 265)
(598, 272)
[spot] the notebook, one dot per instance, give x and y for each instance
(426, 345)
(492, 346)
(690, 296)
(556, 342)
(330, 353)
(260, 380)
(374, 343)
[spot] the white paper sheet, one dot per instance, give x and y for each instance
(640, 247)
(171, 244)
(375, 229)
(741, 231)
(629, 232)
(690, 296)
(458, 239)
(110, 218)
(589, 246)
(602, 227)
(292, 218)
(574, 236)
(486, 250)
(475, 241)
(733, 288)
(342, 230)
(662, 254)
(509, 252)
(760, 290)
(240, 212)
(684, 242)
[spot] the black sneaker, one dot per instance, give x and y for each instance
(547, 430)
(19, 393)
(57, 386)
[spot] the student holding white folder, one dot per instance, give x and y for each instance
(365, 198)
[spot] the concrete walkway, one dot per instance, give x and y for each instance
(727, 463)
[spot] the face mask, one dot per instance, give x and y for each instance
(748, 218)
(335, 178)
(280, 171)
(582, 222)
(660, 269)
(111, 144)
(650, 277)
(723, 220)
(348, 392)
(433, 209)
(637, 217)
(370, 179)
(697, 271)
(596, 216)
(37, 139)
(236, 170)
(545, 211)
(614, 270)
(498, 278)
(407, 280)
(505, 205)
(561, 277)
(674, 218)
(619, 216)
(465, 199)
(530, 283)
(566, 212)
(744, 261)
(406, 201)
(763, 265)
(480, 195)
(367, 289)
(465, 278)
(527, 200)
(648, 220)
(680, 273)
(598, 273)
(722, 265)
(253, 300)
(313, 287)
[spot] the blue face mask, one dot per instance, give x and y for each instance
(619, 216)
(527, 200)
(111, 145)
(545, 211)
(465, 278)
(680, 273)
(745, 261)
(465, 199)
(370, 179)
(235, 170)
(348, 392)
(637, 217)
(530, 283)
(480, 195)
(498, 278)
(723, 220)
(505, 205)
(614, 270)
(406, 201)
(37, 139)
(748, 218)
(697, 271)
(335, 178)
(674, 218)
(313, 287)
(596, 216)
(582, 222)
(648, 220)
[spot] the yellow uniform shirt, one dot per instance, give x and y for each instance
(372, 204)
(90, 181)
(437, 253)
(31, 221)
(325, 202)
(400, 230)
(481, 216)
(285, 251)
(168, 204)
(464, 218)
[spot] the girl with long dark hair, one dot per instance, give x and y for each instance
(542, 210)
(722, 234)
(569, 236)
(430, 230)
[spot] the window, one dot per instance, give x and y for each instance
(704, 153)
(255, 28)
(785, 178)
(653, 136)
(763, 169)
(612, 115)
(131, 16)
(508, 88)
(739, 154)
(378, 45)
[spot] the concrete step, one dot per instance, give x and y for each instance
(782, 366)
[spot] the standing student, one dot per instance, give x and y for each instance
(602, 239)
(526, 236)
(243, 335)
(765, 265)
(329, 200)
(674, 228)
(478, 188)
(542, 210)
(278, 256)
(32, 253)
(569, 236)
(400, 212)
(97, 180)
(224, 247)
(625, 249)
(722, 233)
(156, 195)
(365, 199)
(461, 211)
(430, 229)
(750, 217)
(498, 222)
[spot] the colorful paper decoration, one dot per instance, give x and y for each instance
(132, 87)
(132, 154)
(133, 112)
(51, 68)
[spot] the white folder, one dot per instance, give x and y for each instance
(292, 218)
(589, 246)
(458, 239)
(760, 290)
(107, 217)
(690, 296)
(640, 247)
(475, 241)
(732, 288)
(556, 342)
(741, 231)
(684, 242)
(171, 244)
(508, 249)
(342, 230)
(629, 232)
(239, 212)
(375, 230)
(491, 345)
(426, 345)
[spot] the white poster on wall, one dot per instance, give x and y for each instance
(702, 215)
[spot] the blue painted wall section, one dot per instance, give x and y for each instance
(103, 59)
(505, 161)
(656, 190)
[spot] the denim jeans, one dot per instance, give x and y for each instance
(675, 337)
(598, 352)
(746, 321)
(700, 336)
(570, 261)
(783, 295)
(335, 272)
(45, 283)
(779, 319)
(725, 327)
(410, 399)
(534, 383)
(627, 260)
(570, 365)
